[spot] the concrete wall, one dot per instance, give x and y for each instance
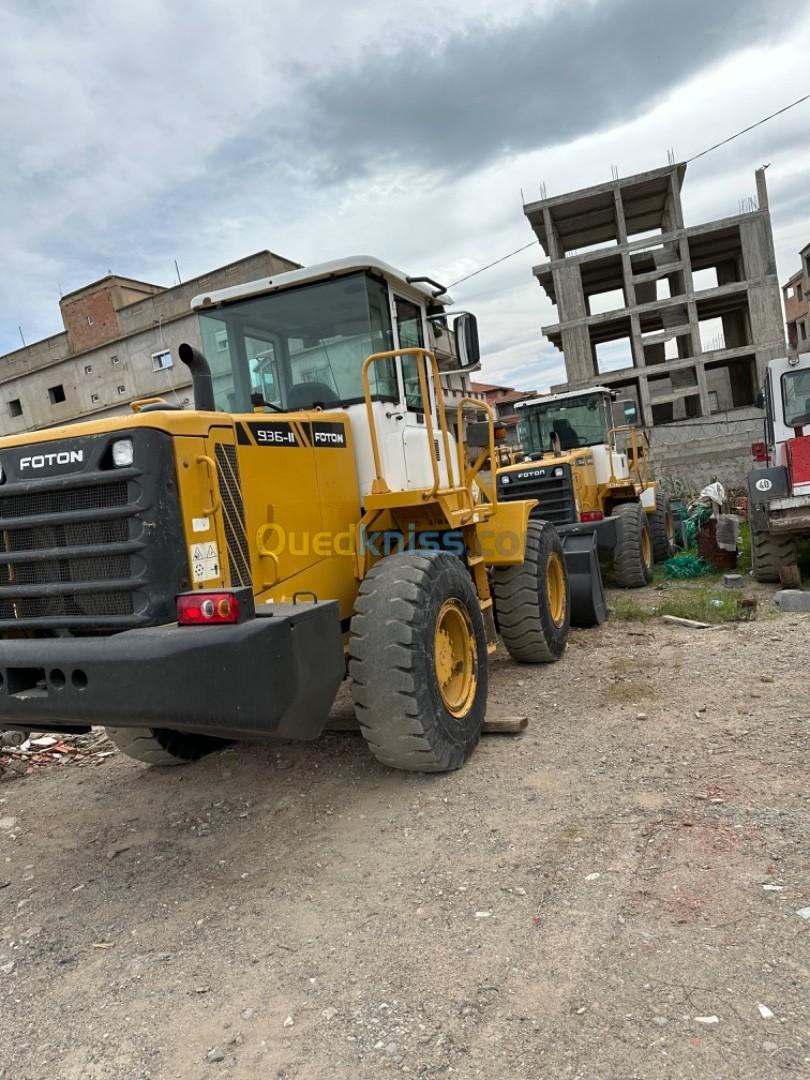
(699, 451)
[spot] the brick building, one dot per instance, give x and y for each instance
(119, 343)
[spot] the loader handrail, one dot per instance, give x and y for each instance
(467, 476)
(379, 484)
(640, 453)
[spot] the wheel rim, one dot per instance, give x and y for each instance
(646, 548)
(455, 658)
(555, 588)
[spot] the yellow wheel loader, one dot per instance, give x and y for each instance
(185, 577)
(590, 477)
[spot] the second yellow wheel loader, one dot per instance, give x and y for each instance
(188, 577)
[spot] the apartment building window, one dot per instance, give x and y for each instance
(162, 360)
(15, 407)
(88, 369)
(56, 394)
(122, 389)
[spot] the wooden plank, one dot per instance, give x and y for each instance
(499, 724)
(675, 620)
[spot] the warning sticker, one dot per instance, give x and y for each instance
(204, 562)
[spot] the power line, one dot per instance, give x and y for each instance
(503, 258)
(750, 127)
(702, 153)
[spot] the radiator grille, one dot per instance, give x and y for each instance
(67, 573)
(554, 494)
(233, 513)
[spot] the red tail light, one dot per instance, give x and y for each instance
(207, 608)
(759, 451)
(591, 515)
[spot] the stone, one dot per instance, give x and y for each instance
(329, 1014)
(7, 823)
(641, 716)
(733, 581)
(289, 1022)
(216, 1053)
(6, 969)
(792, 600)
(248, 1014)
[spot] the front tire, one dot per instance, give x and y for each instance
(769, 553)
(532, 601)
(162, 747)
(633, 557)
(418, 662)
(662, 528)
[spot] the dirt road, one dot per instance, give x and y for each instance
(613, 894)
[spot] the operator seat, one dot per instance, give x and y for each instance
(569, 440)
(307, 395)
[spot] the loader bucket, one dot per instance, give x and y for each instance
(588, 603)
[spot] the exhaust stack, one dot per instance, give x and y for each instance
(200, 377)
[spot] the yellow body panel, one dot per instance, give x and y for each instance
(503, 535)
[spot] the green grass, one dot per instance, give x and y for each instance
(704, 603)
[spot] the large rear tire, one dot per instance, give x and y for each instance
(662, 527)
(633, 557)
(532, 601)
(769, 553)
(160, 746)
(419, 662)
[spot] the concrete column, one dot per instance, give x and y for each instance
(636, 342)
(579, 360)
(568, 289)
(694, 327)
(644, 401)
(551, 235)
(673, 215)
(705, 406)
(762, 189)
(621, 224)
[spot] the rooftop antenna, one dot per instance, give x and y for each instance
(543, 190)
(670, 156)
(177, 271)
(22, 339)
(614, 171)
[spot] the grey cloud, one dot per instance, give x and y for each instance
(495, 89)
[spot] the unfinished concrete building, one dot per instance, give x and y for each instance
(681, 321)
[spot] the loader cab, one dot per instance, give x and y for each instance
(561, 423)
(298, 342)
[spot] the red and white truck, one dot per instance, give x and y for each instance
(779, 483)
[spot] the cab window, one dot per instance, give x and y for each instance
(411, 336)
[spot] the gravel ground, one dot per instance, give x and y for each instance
(612, 894)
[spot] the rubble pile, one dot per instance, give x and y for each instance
(22, 753)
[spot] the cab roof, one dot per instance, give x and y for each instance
(549, 399)
(320, 272)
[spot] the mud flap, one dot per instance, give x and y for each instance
(588, 603)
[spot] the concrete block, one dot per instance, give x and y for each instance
(733, 581)
(792, 600)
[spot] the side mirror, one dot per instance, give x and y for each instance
(761, 402)
(465, 328)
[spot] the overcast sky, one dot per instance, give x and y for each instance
(134, 134)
